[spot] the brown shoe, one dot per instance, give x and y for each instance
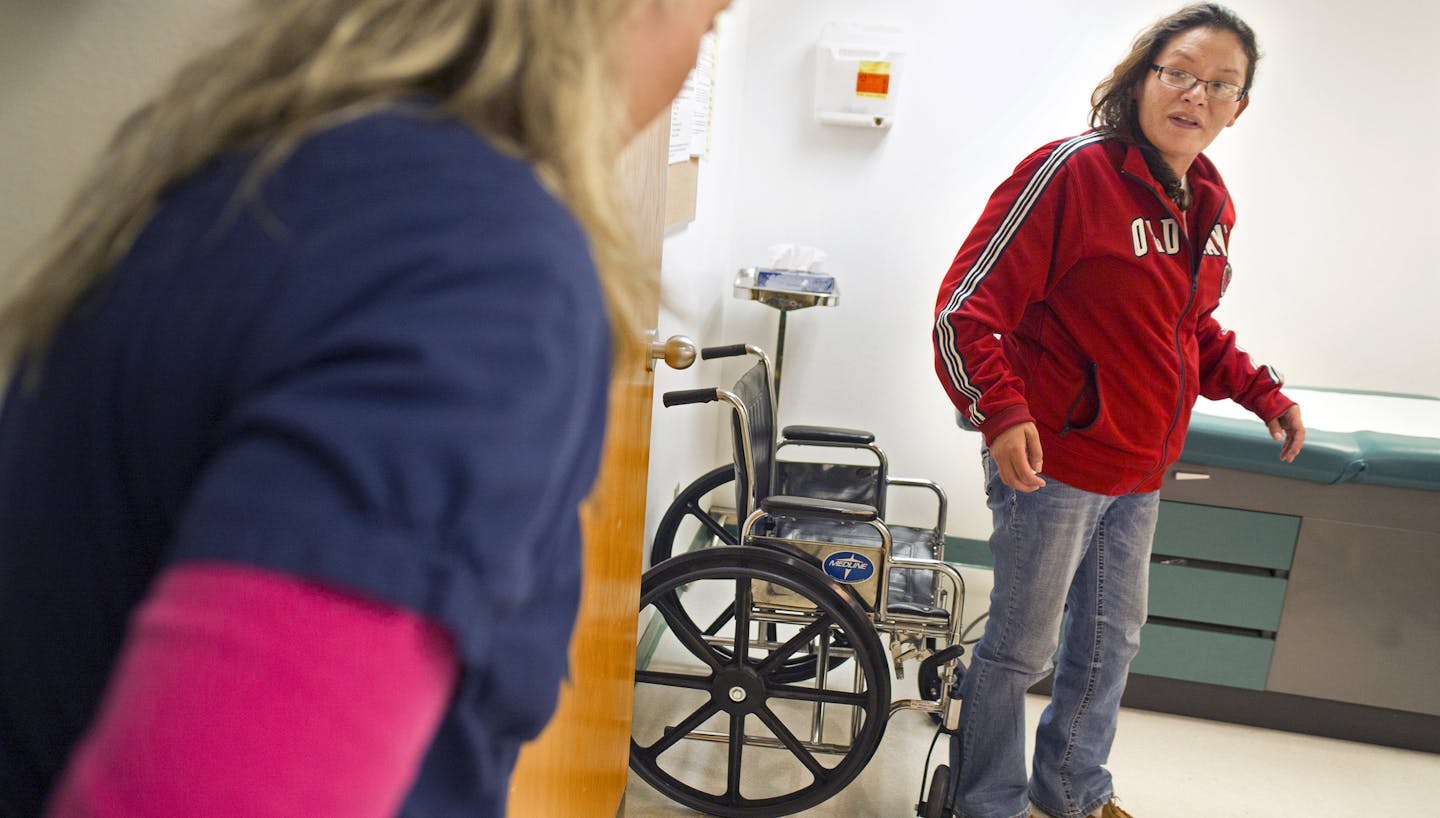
(1112, 810)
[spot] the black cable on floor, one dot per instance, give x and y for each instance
(925, 771)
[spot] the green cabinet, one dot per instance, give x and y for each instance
(1216, 597)
(1226, 535)
(1217, 587)
(1197, 655)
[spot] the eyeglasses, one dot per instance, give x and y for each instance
(1184, 80)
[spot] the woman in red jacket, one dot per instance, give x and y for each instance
(1075, 330)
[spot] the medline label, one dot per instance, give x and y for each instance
(849, 567)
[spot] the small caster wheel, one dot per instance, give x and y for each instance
(935, 804)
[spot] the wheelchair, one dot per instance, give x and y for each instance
(761, 656)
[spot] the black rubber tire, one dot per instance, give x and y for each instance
(838, 614)
(937, 797)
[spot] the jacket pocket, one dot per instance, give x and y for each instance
(1085, 408)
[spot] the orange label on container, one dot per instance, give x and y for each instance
(873, 80)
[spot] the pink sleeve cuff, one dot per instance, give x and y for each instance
(246, 692)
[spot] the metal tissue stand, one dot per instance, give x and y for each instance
(785, 290)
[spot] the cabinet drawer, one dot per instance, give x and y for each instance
(1204, 656)
(1229, 535)
(1216, 597)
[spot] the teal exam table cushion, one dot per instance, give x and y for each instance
(1355, 437)
(1377, 438)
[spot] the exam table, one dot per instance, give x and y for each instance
(1306, 595)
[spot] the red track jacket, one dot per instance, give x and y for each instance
(1082, 301)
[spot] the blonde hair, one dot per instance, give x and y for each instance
(536, 77)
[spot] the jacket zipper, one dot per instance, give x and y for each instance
(1195, 261)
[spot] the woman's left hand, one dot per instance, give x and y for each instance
(1290, 428)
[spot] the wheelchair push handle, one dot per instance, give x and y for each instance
(681, 397)
(728, 351)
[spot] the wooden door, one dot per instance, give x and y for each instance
(577, 766)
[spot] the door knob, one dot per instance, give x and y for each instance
(677, 351)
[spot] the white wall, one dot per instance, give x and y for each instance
(69, 72)
(1334, 283)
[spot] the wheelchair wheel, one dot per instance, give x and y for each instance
(715, 727)
(675, 534)
(688, 519)
(939, 791)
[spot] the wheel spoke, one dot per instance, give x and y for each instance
(792, 744)
(785, 651)
(684, 629)
(720, 622)
(714, 526)
(683, 680)
(683, 729)
(737, 745)
(810, 694)
(742, 619)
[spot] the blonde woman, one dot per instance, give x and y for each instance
(306, 388)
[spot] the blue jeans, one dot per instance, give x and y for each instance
(1057, 550)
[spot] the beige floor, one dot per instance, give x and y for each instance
(1165, 767)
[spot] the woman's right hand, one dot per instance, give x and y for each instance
(1016, 452)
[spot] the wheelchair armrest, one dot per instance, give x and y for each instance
(827, 434)
(934, 488)
(786, 506)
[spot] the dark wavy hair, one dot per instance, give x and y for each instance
(1114, 107)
